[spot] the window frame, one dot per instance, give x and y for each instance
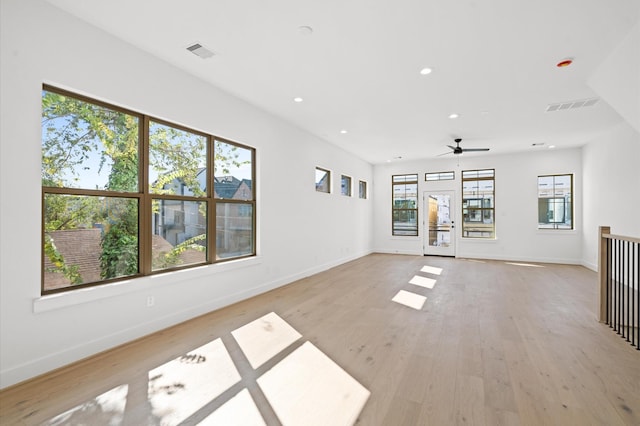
(362, 189)
(409, 211)
(349, 186)
(144, 197)
(571, 203)
(328, 180)
(438, 176)
(483, 209)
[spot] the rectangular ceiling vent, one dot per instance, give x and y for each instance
(563, 106)
(199, 50)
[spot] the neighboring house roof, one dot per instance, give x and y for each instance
(79, 247)
(82, 247)
(160, 247)
(226, 186)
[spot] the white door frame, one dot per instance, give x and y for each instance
(436, 250)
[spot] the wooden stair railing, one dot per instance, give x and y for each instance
(619, 275)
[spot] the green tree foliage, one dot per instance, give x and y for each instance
(78, 139)
(176, 155)
(89, 146)
(120, 242)
(172, 258)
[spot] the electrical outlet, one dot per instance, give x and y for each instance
(150, 301)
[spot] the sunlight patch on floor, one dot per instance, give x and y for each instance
(180, 387)
(304, 388)
(240, 410)
(530, 265)
(108, 408)
(308, 388)
(431, 270)
(262, 339)
(409, 299)
(422, 281)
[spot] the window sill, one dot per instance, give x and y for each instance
(149, 283)
(478, 240)
(556, 231)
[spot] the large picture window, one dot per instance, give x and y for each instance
(555, 206)
(405, 205)
(478, 204)
(127, 195)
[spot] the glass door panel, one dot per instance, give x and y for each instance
(439, 222)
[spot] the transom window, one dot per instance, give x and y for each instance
(405, 205)
(439, 176)
(127, 195)
(478, 204)
(555, 205)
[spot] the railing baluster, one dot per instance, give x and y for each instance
(632, 286)
(620, 297)
(608, 280)
(634, 323)
(613, 283)
(622, 282)
(627, 281)
(638, 297)
(619, 277)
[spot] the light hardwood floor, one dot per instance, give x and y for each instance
(495, 343)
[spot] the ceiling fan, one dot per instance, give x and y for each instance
(459, 150)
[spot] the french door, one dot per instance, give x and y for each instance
(440, 235)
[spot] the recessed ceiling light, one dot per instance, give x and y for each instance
(297, 100)
(551, 146)
(425, 71)
(343, 131)
(454, 115)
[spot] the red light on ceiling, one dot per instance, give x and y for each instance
(564, 63)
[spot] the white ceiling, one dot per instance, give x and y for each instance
(493, 61)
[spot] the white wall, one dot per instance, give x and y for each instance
(516, 209)
(611, 161)
(611, 169)
(617, 79)
(300, 231)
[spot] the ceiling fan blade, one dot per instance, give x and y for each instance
(446, 153)
(474, 149)
(452, 147)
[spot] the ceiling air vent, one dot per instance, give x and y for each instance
(199, 50)
(572, 105)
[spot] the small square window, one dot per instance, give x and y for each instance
(362, 189)
(323, 180)
(345, 185)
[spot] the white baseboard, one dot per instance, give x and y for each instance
(589, 265)
(393, 251)
(562, 261)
